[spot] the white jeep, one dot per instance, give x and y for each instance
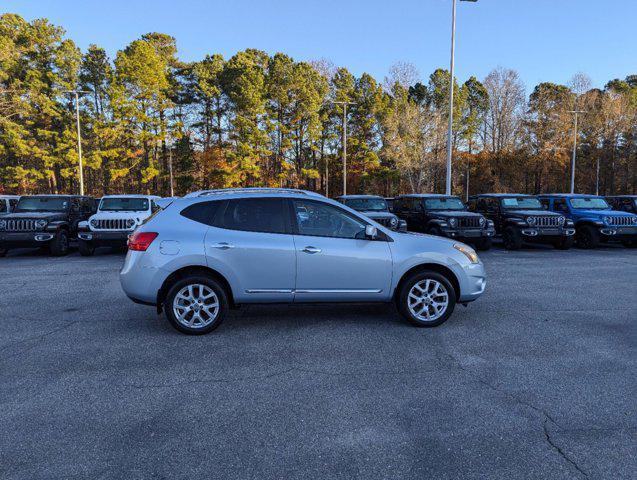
(116, 218)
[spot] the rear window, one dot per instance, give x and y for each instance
(202, 212)
(122, 204)
(267, 215)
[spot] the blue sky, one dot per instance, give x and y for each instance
(544, 40)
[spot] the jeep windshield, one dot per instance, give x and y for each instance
(42, 204)
(450, 203)
(367, 204)
(124, 205)
(589, 204)
(521, 203)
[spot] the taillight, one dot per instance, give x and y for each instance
(140, 241)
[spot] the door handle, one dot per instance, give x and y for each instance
(222, 245)
(309, 249)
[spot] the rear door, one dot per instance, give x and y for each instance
(335, 262)
(252, 240)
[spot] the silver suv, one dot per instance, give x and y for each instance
(216, 249)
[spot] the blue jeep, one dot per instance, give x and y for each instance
(595, 220)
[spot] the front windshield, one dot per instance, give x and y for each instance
(42, 204)
(450, 203)
(367, 204)
(124, 204)
(522, 203)
(589, 203)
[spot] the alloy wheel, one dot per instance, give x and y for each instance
(428, 300)
(196, 306)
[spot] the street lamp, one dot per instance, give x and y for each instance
(345, 104)
(574, 112)
(450, 128)
(79, 135)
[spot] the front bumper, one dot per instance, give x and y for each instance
(24, 239)
(468, 234)
(618, 233)
(102, 238)
(539, 234)
(473, 282)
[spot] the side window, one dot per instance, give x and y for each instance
(471, 205)
(324, 220)
(202, 212)
(545, 203)
(75, 205)
(266, 215)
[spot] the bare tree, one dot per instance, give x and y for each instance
(505, 110)
(404, 74)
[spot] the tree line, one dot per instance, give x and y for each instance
(260, 120)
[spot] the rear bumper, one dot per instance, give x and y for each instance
(141, 280)
(24, 239)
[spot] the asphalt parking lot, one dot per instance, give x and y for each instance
(534, 380)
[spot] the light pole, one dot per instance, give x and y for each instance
(170, 168)
(575, 112)
(79, 135)
(450, 127)
(345, 104)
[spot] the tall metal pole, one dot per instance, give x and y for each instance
(450, 127)
(597, 178)
(576, 112)
(79, 142)
(327, 179)
(344, 148)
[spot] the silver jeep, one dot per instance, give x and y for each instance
(217, 249)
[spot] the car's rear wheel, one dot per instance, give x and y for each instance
(587, 237)
(512, 238)
(484, 244)
(196, 304)
(59, 246)
(564, 243)
(86, 248)
(426, 299)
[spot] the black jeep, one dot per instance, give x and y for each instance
(374, 207)
(445, 216)
(522, 219)
(48, 221)
(626, 203)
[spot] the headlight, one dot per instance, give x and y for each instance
(468, 252)
(561, 220)
(482, 221)
(40, 224)
(130, 222)
(393, 222)
(634, 220)
(3, 224)
(530, 220)
(490, 223)
(607, 220)
(453, 222)
(94, 223)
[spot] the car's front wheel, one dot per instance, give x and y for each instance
(86, 248)
(587, 237)
(196, 304)
(426, 299)
(484, 243)
(564, 243)
(512, 238)
(59, 246)
(3, 252)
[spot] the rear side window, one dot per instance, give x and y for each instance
(202, 212)
(266, 215)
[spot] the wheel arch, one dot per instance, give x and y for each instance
(434, 267)
(192, 270)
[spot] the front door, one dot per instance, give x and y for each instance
(335, 262)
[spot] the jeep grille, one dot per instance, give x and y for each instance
(469, 222)
(110, 224)
(21, 225)
(621, 221)
(547, 221)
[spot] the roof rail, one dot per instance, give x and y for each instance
(257, 190)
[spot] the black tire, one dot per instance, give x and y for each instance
(198, 279)
(587, 237)
(59, 246)
(484, 244)
(629, 243)
(402, 299)
(3, 252)
(86, 249)
(512, 238)
(435, 231)
(564, 243)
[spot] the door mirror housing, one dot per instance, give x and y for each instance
(371, 232)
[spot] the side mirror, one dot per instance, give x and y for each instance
(545, 207)
(371, 232)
